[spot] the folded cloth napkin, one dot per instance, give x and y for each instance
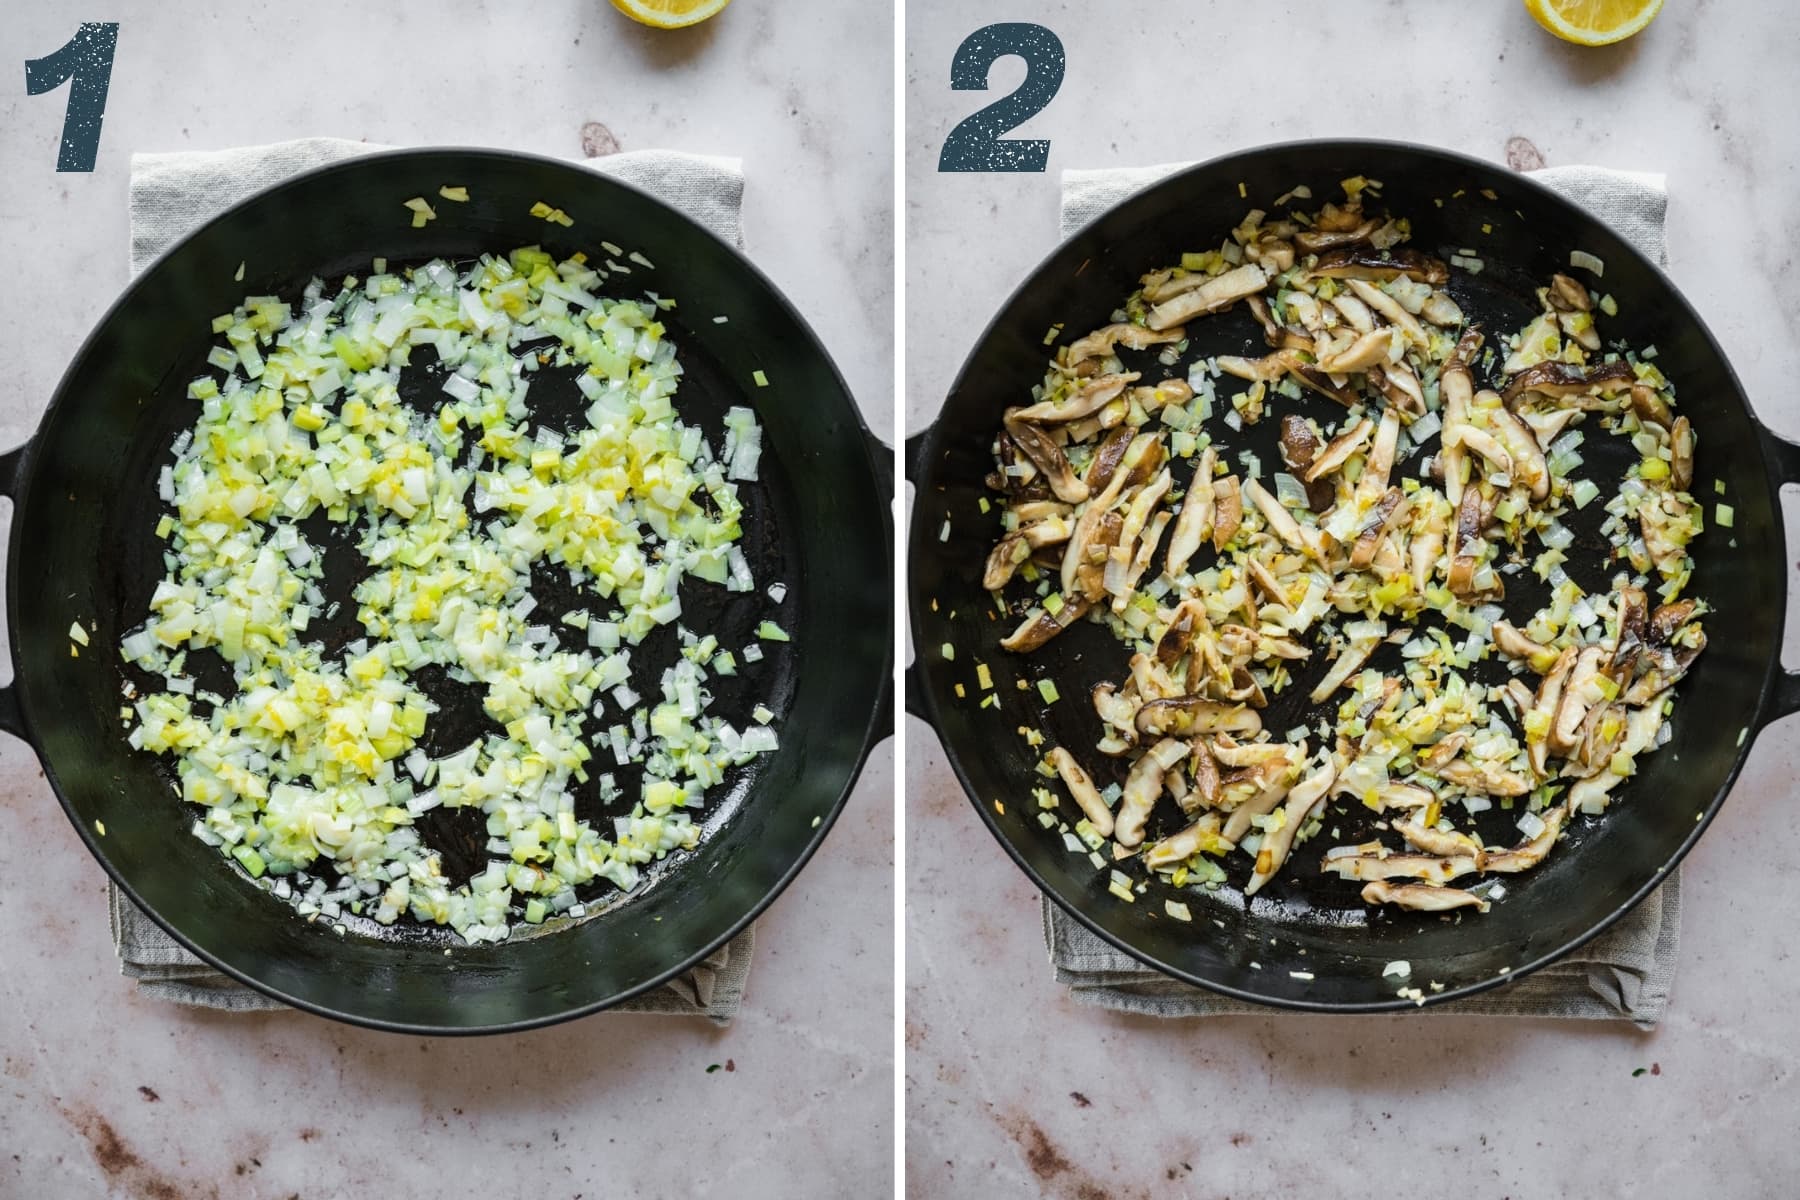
(1625, 973)
(173, 194)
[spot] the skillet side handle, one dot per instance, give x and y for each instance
(881, 459)
(12, 476)
(914, 462)
(1783, 458)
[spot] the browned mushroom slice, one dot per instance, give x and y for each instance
(1081, 787)
(1107, 458)
(1354, 312)
(1279, 337)
(1391, 310)
(1649, 406)
(1593, 794)
(1390, 795)
(1441, 310)
(1193, 524)
(1143, 785)
(1468, 543)
(1681, 455)
(1100, 343)
(1438, 843)
(1339, 451)
(1188, 619)
(1445, 749)
(1373, 861)
(1399, 387)
(1003, 560)
(1213, 295)
(1266, 583)
(1177, 848)
(1366, 351)
(1227, 750)
(1531, 852)
(1519, 698)
(1281, 521)
(1545, 424)
(1529, 466)
(1665, 671)
(1425, 547)
(1563, 381)
(1457, 387)
(1514, 644)
(1313, 241)
(1665, 522)
(1189, 715)
(1267, 369)
(1205, 771)
(1668, 619)
(1628, 643)
(1118, 568)
(1228, 510)
(1089, 398)
(1264, 802)
(1357, 649)
(1299, 447)
(1421, 897)
(1151, 679)
(1096, 553)
(1543, 712)
(1381, 520)
(1486, 445)
(1577, 696)
(1047, 457)
(1146, 550)
(1271, 367)
(1601, 734)
(1302, 802)
(1337, 218)
(1309, 376)
(1143, 459)
(1484, 778)
(1365, 264)
(1568, 295)
(1041, 625)
(1092, 525)
(1374, 478)
(1116, 710)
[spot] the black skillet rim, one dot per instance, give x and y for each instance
(926, 698)
(60, 396)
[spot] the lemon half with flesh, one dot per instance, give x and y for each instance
(1591, 22)
(669, 14)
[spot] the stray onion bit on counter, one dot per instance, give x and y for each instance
(310, 771)
(1226, 577)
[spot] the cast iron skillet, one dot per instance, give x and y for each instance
(83, 547)
(1304, 921)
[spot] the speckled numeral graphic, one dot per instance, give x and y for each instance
(86, 60)
(976, 144)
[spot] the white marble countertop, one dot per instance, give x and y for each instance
(105, 1094)
(1015, 1090)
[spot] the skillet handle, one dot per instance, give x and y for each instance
(881, 459)
(12, 476)
(914, 463)
(1783, 458)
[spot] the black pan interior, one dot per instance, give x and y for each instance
(84, 547)
(1304, 921)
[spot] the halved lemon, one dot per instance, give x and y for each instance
(1591, 22)
(669, 14)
